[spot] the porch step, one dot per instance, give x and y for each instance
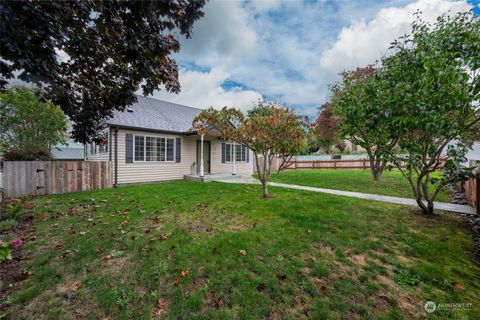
(209, 177)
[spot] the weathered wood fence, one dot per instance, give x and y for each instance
(50, 177)
(472, 190)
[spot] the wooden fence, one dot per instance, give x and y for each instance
(472, 190)
(295, 164)
(329, 164)
(50, 177)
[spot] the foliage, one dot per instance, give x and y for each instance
(29, 126)
(5, 251)
(271, 131)
(326, 128)
(94, 55)
(291, 268)
(433, 82)
(361, 103)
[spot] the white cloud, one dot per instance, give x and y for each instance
(204, 90)
(289, 50)
(221, 35)
(364, 42)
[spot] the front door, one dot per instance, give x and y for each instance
(206, 156)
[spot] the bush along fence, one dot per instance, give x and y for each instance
(50, 177)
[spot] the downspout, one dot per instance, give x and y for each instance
(116, 159)
(110, 144)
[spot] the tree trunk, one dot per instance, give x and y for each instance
(265, 189)
(376, 175)
(426, 209)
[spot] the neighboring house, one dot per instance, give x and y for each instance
(151, 141)
(69, 151)
(474, 154)
(352, 147)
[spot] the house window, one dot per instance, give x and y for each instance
(170, 149)
(151, 149)
(240, 152)
(139, 148)
(154, 149)
(228, 152)
(160, 149)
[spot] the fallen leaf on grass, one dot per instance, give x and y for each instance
(99, 250)
(184, 273)
(243, 252)
(161, 307)
(82, 233)
(261, 287)
(215, 250)
(458, 286)
(176, 282)
(67, 254)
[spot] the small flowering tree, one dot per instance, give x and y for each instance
(270, 131)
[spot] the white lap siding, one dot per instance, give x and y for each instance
(243, 168)
(150, 171)
(160, 171)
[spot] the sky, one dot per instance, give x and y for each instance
(289, 51)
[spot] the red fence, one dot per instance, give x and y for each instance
(335, 164)
(295, 164)
(329, 164)
(472, 190)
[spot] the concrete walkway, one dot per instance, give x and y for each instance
(409, 202)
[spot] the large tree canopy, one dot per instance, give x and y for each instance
(362, 104)
(92, 56)
(434, 83)
(29, 128)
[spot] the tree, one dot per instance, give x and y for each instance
(92, 56)
(271, 131)
(29, 127)
(433, 80)
(362, 106)
(325, 128)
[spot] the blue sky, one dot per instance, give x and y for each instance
(290, 51)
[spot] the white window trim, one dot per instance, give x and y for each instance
(232, 153)
(145, 149)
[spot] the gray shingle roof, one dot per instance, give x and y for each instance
(154, 114)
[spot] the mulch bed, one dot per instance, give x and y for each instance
(10, 271)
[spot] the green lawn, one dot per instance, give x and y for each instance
(186, 250)
(392, 182)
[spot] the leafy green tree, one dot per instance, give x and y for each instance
(94, 55)
(433, 82)
(271, 131)
(29, 126)
(362, 104)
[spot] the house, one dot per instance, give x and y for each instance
(70, 150)
(152, 141)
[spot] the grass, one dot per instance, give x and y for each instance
(186, 250)
(392, 183)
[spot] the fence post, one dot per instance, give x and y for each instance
(335, 164)
(364, 166)
(477, 188)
